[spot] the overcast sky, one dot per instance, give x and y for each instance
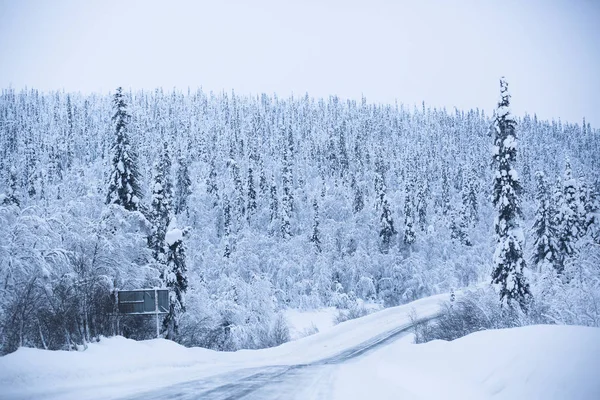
(447, 53)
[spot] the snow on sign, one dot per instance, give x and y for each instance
(143, 301)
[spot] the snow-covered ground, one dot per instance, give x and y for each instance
(534, 362)
(554, 362)
(118, 366)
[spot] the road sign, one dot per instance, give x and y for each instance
(144, 302)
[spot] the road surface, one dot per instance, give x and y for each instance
(301, 381)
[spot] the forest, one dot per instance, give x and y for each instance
(244, 206)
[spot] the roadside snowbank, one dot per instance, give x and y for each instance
(304, 323)
(534, 362)
(117, 366)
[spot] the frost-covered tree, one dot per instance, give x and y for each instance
(227, 227)
(422, 206)
(183, 186)
(458, 228)
(545, 251)
(409, 229)
(386, 223)
(11, 197)
(175, 278)
(251, 206)
(568, 214)
(469, 200)
(161, 209)
(509, 261)
(315, 236)
(358, 202)
(287, 201)
(274, 200)
(123, 187)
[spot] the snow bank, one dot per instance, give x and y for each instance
(535, 362)
(304, 323)
(117, 366)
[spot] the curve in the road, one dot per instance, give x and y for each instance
(247, 382)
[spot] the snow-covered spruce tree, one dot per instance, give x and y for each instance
(422, 206)
(123, 187)
(175, 278)
(274, 200)
(162, 205)
(287, 199)
(386, 221)
(251, 205)
(211, 184)
(227, 227)
(445, 192)
(458, 227)
(315, 237)
(469, 199)
(183, 186)
(567, 219)
(11, 197)
(409, 229)
(509, 261)
(545, 252)
(358, 202)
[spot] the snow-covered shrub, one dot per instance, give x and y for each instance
(355, 310)
(474, 311)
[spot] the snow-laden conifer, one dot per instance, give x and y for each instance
(545, 246)
(509, 261)
(123, 186)
(175, 277)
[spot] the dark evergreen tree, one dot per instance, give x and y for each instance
(274, 202)
(445, 195)
(287, 200)
(386, 222)
(123, 188)
(162, 205)
(227, 227)
(11, 197)
(458, 228)
(183, 186)
(509, 261)
(315, 237)
(409, 229)
(251, 207)
(568, 215)
(175, 279)
(422, 206)
(211, 184)
(469, 199)
(545, 244)
(358, 203)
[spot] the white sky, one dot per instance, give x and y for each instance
(447, 53)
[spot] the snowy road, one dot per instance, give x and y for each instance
(301, 381)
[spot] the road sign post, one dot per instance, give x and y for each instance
(143, 302)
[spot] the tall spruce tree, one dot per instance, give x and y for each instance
(251, 203)
(123, 188)
(175, 278)
(11, 196)
(162, 205)
(183, 186)
(568, 214)
(315, 237)
(509, 261)
(545, 252)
